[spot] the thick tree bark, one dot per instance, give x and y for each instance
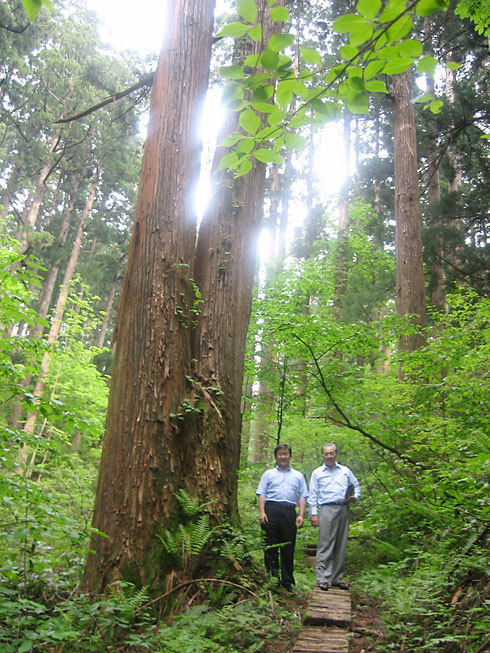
(410, 288)
(147, 454)
(225, 271)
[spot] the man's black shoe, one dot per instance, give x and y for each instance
(340, 585)
(323, 586)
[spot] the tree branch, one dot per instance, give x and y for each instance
(345, 421)
(146, 81)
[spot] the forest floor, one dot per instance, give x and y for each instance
(367, 626)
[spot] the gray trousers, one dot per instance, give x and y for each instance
(332, 543)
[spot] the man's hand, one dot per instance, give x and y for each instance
(314, 520)
(300, 520)
(263, 519)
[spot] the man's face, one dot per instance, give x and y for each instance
(283, 458)
(329, 455)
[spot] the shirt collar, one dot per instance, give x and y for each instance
(283, 470)
(330, 470)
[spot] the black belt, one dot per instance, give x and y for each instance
(333, 503)
(284, 504)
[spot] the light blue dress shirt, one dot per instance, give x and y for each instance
(287, 486)
(329, 486)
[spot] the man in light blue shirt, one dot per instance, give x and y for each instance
(332, 488)
(280, 490)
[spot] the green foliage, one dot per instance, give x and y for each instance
(379, 44)
(33, 7)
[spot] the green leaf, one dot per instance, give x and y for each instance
(349, 22)
(244, 168)
(267, 156)
(356, 102)
(311, 56)
(399, 29)
(376, 86)
(279, 13)
(276, 118)
(229, 161)
(369, 8)
(398, 65)
(249, 121)
(33, 7)
(410, 48)
(427, 66)
(266, 133)
(255, 33)
(246, 146)
(278, 42)
(428, 7)
(452, 65)
(392, 10)
(422, 97)
(232, 94)
(361, 35)
(269, 59)
(436, 106)
(231, 72)
(319, 106)
(348, 52)
(234, 30)
(295, 141)
(300, 89)
(252, 60)
(373, 68)
(247, 9)
(265, 107)
(263, 93)
(284, 93)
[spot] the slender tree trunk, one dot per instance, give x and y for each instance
(60, 308)
(30, 219)
(410, 287)
(110, 302)
(148, 453)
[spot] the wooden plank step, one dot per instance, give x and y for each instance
(320, 640)
(332, 608)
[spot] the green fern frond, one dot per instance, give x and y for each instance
(199, 535)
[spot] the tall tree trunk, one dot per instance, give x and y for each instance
(147, 455)
(110, 302)
(437, 271)
(410, 288)
(60, 308)
(30, 219)
(225, 271)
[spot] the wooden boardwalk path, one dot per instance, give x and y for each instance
(327, 622)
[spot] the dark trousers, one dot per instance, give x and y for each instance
(280, 530)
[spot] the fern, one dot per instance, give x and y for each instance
(199, 535)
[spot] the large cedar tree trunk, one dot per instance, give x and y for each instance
(225, 272)
(410, 288)
(146, 455)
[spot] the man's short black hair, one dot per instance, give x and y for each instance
(282, 446)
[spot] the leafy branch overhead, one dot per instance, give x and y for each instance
(274, 99)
